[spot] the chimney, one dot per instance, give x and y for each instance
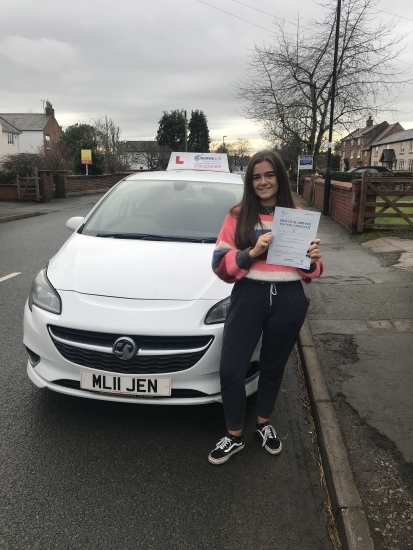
(49, 111)
(369, 122)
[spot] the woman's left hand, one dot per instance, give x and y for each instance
(314, 253)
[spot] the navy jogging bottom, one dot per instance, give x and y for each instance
(275, 310)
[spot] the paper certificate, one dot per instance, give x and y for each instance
(293, 232)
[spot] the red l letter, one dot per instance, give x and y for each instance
(178, 160)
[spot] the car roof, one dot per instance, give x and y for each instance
(378, 168)
(191, 175)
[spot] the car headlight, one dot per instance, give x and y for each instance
(43, 295)
(218, 312)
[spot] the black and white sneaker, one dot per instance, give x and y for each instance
(269, 438)
(225, 448)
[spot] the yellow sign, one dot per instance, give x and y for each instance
(86, 156)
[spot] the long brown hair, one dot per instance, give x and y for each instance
(247, 210)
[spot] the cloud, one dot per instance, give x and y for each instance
(42, 55)
(134, 60)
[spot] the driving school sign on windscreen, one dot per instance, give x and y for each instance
(199, 161)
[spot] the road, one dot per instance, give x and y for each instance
(78, 473)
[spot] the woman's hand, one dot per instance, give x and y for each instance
(314, 253)
(261, 245)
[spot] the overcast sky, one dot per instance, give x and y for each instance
(131, 60)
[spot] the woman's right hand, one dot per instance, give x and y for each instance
(261, 245)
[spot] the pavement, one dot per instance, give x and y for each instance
(356, 349)
(17, 210)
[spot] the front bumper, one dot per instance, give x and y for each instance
(198, 384)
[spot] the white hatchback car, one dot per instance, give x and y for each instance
(129, 309)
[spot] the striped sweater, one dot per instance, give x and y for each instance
(231, 264)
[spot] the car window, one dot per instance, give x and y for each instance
(161, 208)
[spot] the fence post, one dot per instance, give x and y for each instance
(36, 180)
(18, 186)
(362, 206)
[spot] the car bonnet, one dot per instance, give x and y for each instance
(136, 269)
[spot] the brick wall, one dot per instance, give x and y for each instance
(8, 192)
(46, 185)
(60, 185)
(318, 192)
(342, 207)
(344, 201)
(83, 185)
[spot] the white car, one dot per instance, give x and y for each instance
(129, 309)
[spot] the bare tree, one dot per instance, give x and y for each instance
(21, 163)
(216, 146)
(149, 153)
(288, 88)
(110, 144)
(53, 159)
(241, 150)
(58, 157)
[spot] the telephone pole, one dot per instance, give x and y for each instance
(186, 135)
(327, 179)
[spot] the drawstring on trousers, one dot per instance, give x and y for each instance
(273, 292)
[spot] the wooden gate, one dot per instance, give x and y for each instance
(28, 187)
(385, 203)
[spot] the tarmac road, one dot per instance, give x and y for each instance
(78, 473)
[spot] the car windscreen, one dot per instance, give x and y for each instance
(157, 210)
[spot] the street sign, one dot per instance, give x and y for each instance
(305, 162)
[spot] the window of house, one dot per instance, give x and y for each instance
(47, 142)
(411, 145)
(388, 146)
(402, 147)
(365, 153)
(358, 153)
(375, 163)
(394, 165)
(352, 142)
(401, 164)
(376, 151)
(358, 141)
(411, 164)
(10, 138)
(351, 154)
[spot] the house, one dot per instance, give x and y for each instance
(9, 138)
(146, 155)
(35, 130)
(394, 151)
(355, 148)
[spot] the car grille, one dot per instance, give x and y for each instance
(157, 354)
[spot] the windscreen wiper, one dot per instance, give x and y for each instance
(142, 236)
(149, 237)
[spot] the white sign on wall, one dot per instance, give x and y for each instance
(217, 162)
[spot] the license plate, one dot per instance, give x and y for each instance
(128, 385)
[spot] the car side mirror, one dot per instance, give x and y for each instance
(74, 223)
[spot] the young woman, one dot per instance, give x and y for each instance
(266, 300)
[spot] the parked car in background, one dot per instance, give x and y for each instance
(374, 170)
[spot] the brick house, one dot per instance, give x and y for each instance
(35, 129)
(395, 151)
(355, 148)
